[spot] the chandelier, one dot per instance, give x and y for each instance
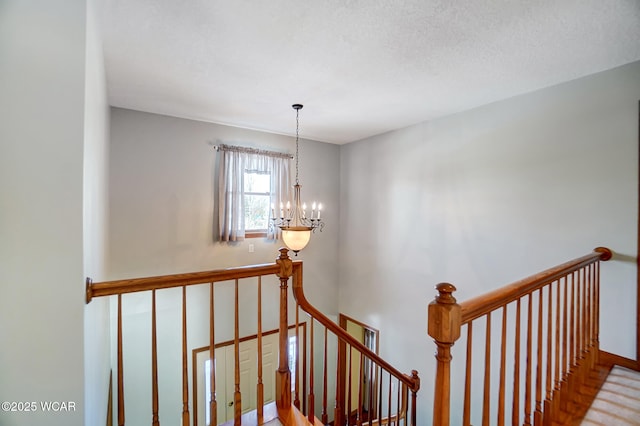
(293, 220)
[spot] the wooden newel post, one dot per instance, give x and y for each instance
(283, 374)
(445, 317)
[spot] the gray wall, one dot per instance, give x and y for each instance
(488, 196)
(42, 46)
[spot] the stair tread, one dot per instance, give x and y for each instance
(575, 409)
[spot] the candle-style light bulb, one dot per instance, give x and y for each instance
(304, 210)
(319, 209)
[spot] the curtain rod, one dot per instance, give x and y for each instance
(245, 149)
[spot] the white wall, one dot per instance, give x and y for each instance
(42, 46)
(488, 196)
(161, 186)
(96, 134)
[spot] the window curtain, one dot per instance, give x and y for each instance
(234, 162)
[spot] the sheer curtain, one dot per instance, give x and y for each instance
(234, 161)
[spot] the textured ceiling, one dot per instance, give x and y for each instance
(360, 67)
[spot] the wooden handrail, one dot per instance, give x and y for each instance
(481, 305)
(109, 288)
(412, 382)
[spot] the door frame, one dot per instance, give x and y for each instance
(342, 362)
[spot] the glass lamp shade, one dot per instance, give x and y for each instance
(296, 237)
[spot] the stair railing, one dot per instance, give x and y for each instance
(154, 285)
(549, 327)
(386, 397)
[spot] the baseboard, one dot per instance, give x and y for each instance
(610, 359)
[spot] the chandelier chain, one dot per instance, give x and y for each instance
(297, 133)
(293, 221)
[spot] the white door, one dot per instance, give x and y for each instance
(225, 377)
(248, 361)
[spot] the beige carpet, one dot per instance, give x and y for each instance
(618, 401)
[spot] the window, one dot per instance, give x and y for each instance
(292, 361)
(249, 182)
(257, 199)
